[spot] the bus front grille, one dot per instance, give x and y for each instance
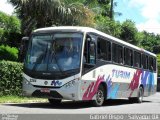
(51, 94)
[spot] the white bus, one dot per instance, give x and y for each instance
(81, 63)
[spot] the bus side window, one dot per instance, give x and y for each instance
(85, 54)
(89, 57)
(151, 64)
(137, 59)
(154, 64)
(144, 61)
(117, 53)
(92, 55)
(128, 57)
(104, 49)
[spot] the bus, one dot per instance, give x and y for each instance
(84, 64)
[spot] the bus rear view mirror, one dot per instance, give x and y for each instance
(25, 41)
(23, 48)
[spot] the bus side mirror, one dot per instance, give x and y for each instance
(24, 43)
(23, 48)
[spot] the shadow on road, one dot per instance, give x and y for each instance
(72, 104)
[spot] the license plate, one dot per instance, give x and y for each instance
(45, 90)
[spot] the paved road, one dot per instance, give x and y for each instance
(150, 105)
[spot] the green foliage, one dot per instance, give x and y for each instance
(10, 78)
(20, 99)
(156, 49)
(3, 20)
(129, 32)
(8, 53)
(45, 13)
(1, 32)
(10, 30)
(149, 41)
(13, 25)
(9, 23)
(108, 26)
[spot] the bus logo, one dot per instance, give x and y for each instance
(46, 82)
(56, 83)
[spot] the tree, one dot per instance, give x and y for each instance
(44, 13)
(129, 32)
(9, 23)
(150, 41)
(9, 29)
(105, 24)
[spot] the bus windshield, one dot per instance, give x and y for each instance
(57, 52)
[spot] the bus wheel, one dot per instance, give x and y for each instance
(100, 97)
(140, 95)
(54, 101)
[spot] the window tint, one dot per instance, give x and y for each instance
(85, 56)
(89, 55)
(117, 53)
(144, 61)
(137, 59)
(89, 51)
(152, 64)
(92, 54)
(104, 49)
(128, 57)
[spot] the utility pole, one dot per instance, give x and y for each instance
(111, 10)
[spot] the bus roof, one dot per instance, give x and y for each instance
(88, 29)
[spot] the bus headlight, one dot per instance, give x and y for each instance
(25, 81)
(70, 84)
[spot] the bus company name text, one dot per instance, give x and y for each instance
(121, 74)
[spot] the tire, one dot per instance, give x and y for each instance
(54, 101)
(100, 97)
(139, 98)
(140, 95)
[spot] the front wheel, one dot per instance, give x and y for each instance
(100, 97)
(54, 101)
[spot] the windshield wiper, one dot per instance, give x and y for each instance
(55, 58)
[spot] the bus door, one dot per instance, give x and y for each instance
(89, 57)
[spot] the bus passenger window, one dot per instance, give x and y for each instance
(128, 57)
(151, 64)
(89, 56)
(117, 53)
(137, 59)
(104, 49)
(154, 64)
(144, 61)
(92, 53)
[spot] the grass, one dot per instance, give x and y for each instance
(18, 99)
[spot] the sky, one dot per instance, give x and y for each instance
(145, 13)
(6, 7)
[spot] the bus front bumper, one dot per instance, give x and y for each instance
(68, 91)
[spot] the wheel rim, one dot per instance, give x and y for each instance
(100, 97)
(141, 95)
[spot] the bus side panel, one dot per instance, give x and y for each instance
(150, 84)
(121, 82)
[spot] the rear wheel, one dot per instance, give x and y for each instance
(54, 101)
(139, 98)
(140, 95)
(100, 97)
